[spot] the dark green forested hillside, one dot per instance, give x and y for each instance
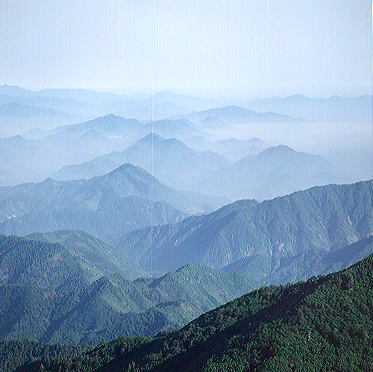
(60, 260)
(14, 353)
(69, 287)
(277, 241)
(324, 324)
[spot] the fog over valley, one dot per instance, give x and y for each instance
(188, 145)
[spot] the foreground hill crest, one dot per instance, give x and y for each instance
(85, 291)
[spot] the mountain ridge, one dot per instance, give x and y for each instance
(275, 171)
(69, 287)
(237, 115)
(169, 160)
(268, 235)
(124, 199)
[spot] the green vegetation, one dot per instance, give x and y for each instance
(59, 260)
(69, 287)
(14, 353)
(92, 252)
(324, 324)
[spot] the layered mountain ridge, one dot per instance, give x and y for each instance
(275, 241)
(323, 324)
(123, 200)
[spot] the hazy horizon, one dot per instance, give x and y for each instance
(227, 51)
(212, 49)
(261, 93)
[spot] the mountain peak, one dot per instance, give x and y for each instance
(280, 149)
(214, 122)
(151, 137)
(91, 134)
(131, 173)
(166, 94)
(126, 167)
(110, 117)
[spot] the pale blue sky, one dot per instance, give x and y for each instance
(210, 47)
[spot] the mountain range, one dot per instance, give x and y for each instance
(332, 109)
(62, 260)
(23, 160)
(16, 110)
(69, 287)
(110, 247)
(273, 172)
(213, 123)
(89, 104)
(260, 175)
(123, 200)
(239, 115)
(71, 126)
(108, 125)
(169, 160)
(232, 148)
(33, 160)
(282, 240)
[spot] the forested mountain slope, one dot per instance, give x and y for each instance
(60, 260)
(324, 324)
(14, 353)
(69, 287)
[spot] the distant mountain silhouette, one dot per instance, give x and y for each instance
(239, 115)
(273, 172)
(214, 123)
(333, 109)
(235, 149)
(17, 110)
(108, 125)
(170, 161)
(125, 199)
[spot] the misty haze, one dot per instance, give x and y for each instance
(186, 186)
